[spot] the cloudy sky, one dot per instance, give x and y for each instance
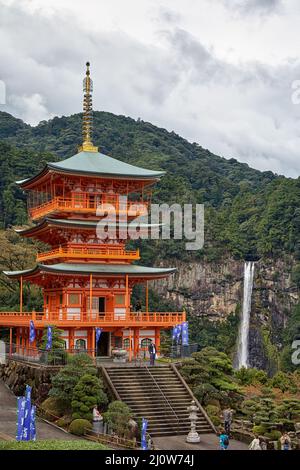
(218, 72)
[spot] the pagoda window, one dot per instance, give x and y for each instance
(145, 343)
(74, 299)
(120, 299)
(126, 343)
(80, 344)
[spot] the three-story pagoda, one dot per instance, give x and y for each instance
(87, 280)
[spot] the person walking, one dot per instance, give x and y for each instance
(152, 353)
(285, 441)
(97, 420)
(224, 440)
(255, 444)
(227, 417)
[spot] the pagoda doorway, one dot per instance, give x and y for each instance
(103, 345)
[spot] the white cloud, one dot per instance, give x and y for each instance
(197, 67)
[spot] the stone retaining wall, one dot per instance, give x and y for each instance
(16, 375)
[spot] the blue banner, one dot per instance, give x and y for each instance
(144, 434)
(185, 333)
(31, 332)
(27, 414)
(49, 338)
(179, 329)
(98, 334)
(20, 419)
(32, 423)
(174, 333)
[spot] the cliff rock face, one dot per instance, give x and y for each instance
(215, 290)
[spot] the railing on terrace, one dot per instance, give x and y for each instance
(89, 204)
(95, 318)
(96, 252)
(56, 357)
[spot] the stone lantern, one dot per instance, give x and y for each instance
(193, 437)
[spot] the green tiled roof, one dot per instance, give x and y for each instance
(132, 270)
(98, 164)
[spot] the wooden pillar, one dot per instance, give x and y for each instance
(130, 346)
(10, 341)
(93, 341)
(126, 295)
(157, 340)
(21, 294)
(136, 341)
(71, 338)
(91, 295)
(147, 297)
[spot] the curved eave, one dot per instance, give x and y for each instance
(106, 270)
(85, 225)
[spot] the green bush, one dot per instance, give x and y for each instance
(78, 426)
(87, 393)
(216, 420)
(63, 422)
(250, 376)
(284, 382)
(273, 435)
(117, 416)
(212, 410)
(267, 392)
(259, 429)
(65, 381)
(53, 406)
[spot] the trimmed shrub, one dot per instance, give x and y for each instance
(53, 406)
(212, 410)
(273, 435)
(65, 381)
(259, 429)
(63, 422)
(78, 426)
(216, 420)
(117, 416)
(87, 393)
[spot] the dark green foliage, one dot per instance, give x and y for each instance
(288, 411)
(251, 376)
(211, 376)
(284, 382)
(117, 416)
(57, 340)
(219, 334)
(78, 426)
(67, 378)
(87, 393)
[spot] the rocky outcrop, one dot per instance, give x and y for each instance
(215, 290)
(17, 375)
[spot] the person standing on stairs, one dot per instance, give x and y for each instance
(152, 353)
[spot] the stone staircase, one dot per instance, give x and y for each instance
(159, 394)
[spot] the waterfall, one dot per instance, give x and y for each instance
(243, 337)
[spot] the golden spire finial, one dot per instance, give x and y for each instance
(87, 120)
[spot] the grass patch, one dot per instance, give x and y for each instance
(52, 445)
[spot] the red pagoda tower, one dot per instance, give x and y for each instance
(87, 281)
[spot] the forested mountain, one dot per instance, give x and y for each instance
(249, 213)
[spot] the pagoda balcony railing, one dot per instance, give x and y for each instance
(129, 319)
(75, 251)
(86, 203)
